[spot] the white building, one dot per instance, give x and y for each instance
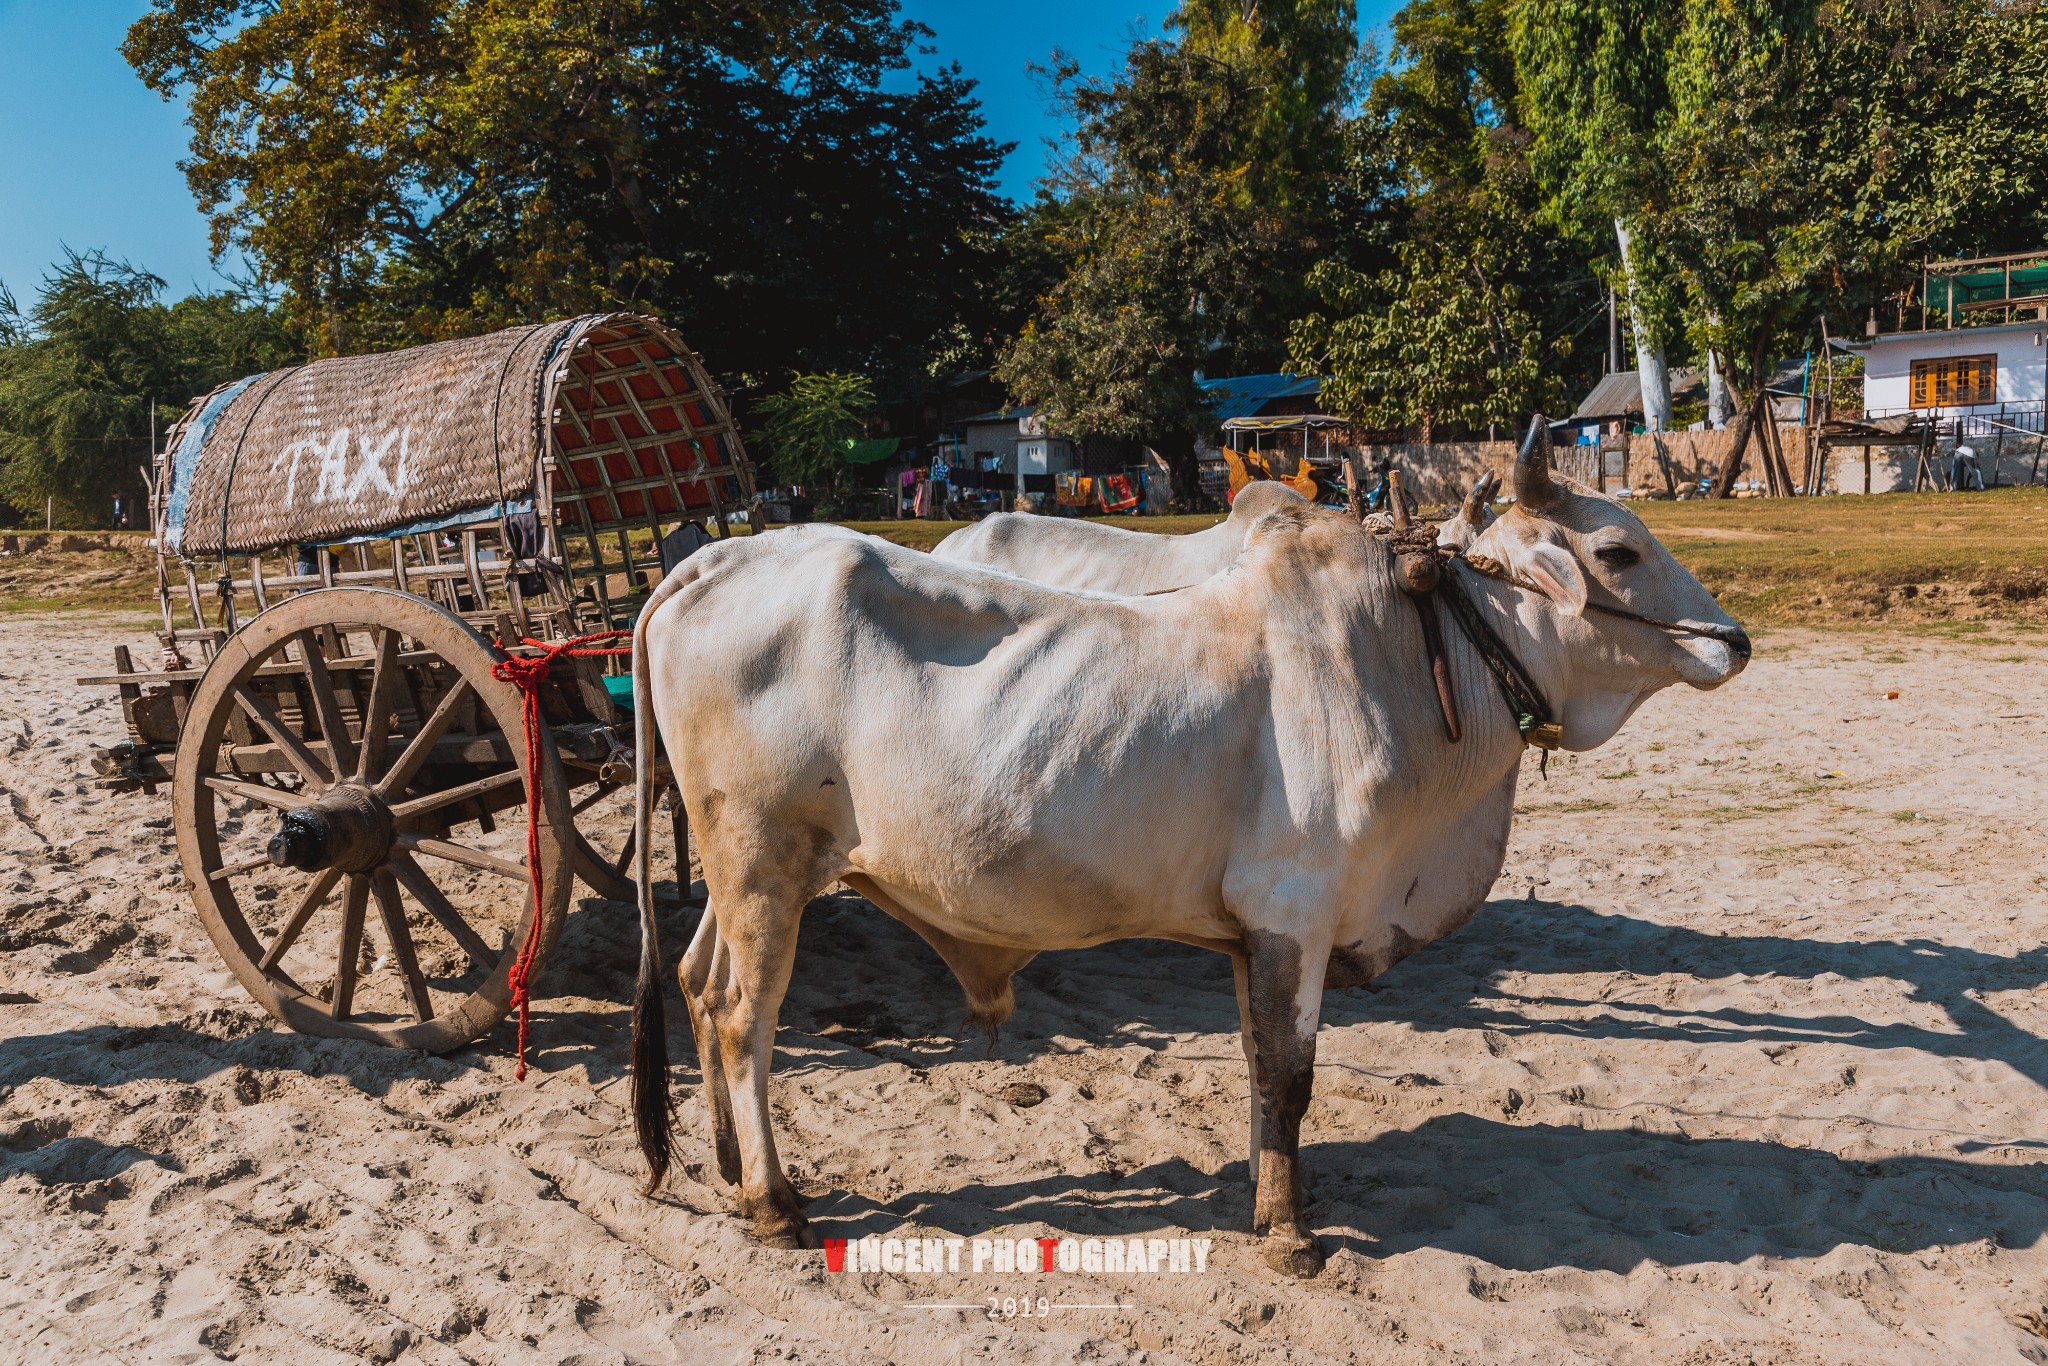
(1958, 372)
(1014, 443)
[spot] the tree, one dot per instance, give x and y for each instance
(762, 171)
(1451, 334)
(1186, 220)
(1452, 302)
(1816, 152)
(1596, 80)
(1763, 162)
(79, 372)
(810, 426)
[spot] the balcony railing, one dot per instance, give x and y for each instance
(1982, 421)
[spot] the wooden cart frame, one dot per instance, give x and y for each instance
(329, 716)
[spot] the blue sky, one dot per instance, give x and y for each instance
(89, 158)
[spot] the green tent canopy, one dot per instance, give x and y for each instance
(1988, 287)
(872, 452)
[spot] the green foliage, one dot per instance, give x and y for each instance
(1815, 153)
(764, 171)
(809, 426)
(1449, 335)
(79, 370)
(1150, 280)
(1453, 304)
(1784, 160)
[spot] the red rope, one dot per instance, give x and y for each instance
(527, 673)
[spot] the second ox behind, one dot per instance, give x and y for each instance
(1254, 764)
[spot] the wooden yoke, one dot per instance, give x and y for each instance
(1415, 557)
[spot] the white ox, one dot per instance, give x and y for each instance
(1069, 553)
(1254, 765)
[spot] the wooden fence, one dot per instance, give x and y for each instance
(1441, 472)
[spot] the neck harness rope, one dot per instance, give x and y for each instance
(1534, 720)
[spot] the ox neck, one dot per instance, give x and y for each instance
(1526, 626)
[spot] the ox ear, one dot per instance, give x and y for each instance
(1552, 569)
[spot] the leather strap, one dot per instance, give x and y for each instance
(1535, 721)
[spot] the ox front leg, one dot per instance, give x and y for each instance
(1241, 967)
(1283, 988)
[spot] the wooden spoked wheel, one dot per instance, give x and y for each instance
(606, 864)
(351, 799)
(609, 875)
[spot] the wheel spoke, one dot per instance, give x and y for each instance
(462, 853)
(602, 791)
(377, 715)
(280, 734)
(415, 880)
(288, 933)
(255, 792)
(230, 871)
(449, 796)
(351, 946)
(422, 744)
(320, 682)
(399, 936)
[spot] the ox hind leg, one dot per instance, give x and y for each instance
(705, 960)
(735, 977)
(1281, 998)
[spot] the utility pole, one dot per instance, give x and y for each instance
(1613, 333)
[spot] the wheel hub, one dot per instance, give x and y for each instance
(349, 827)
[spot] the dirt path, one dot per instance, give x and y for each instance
(1744, 1062)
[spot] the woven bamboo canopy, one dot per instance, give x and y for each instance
(614, 409)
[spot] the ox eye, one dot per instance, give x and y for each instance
(1616, 556)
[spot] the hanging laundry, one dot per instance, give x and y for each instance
(1117, 493)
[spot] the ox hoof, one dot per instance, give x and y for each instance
(790, 1231)
(1295, 1255)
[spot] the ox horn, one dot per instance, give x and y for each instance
(1480, 495)
(1533, 487)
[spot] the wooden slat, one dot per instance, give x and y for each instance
(255, 792)
(354, 903)
(448, 796)
(283, 737)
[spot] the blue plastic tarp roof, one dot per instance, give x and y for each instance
(1243, 395)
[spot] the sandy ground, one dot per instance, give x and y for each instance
(1744, 1062)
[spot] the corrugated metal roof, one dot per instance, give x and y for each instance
(1618, 394)
(1243, 395)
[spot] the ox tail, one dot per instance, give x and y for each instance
(653, 1113)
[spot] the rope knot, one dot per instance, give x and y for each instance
(527, 673)
(522, 671)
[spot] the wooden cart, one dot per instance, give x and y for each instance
(346, 550)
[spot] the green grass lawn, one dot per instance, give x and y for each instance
(1947, 562)
(1929, 556)
(1769, 558)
